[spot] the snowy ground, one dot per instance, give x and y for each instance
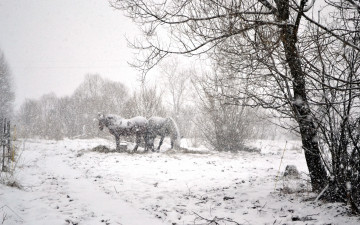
(65, 182)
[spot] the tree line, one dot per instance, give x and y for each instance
(75, 116)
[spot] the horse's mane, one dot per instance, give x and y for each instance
(114, 120)
(113, 117)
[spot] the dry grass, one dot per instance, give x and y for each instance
(102, 149)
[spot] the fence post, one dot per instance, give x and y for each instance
(13, 146)
(8, 142)
(3, 122)
(5, 142)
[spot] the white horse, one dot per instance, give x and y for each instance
(119, 126)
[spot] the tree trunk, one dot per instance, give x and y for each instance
(300, 107)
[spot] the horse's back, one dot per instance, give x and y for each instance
(155, 120)
(139, 124)
(126, 127)
(139, 121)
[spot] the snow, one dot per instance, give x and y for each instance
(348, 186)
(65, 182)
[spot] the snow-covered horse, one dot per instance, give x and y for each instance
(158, 126)
(119, 126)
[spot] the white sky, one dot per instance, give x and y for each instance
(51, 44)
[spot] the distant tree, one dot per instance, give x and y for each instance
(180, 93)
(176, 82)
(50, 123)
(224, 125)
(96, 95)
(29, 119)
(41, 118)
(7, 95)
(67, 120)
(146, 102)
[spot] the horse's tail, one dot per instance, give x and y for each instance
(175, 133)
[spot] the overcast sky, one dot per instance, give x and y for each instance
(51, 44)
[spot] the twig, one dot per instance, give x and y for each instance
(321, 193)
(12, 211)
(4, 218)
(262, 208)
(19, 156)
(277, 176)
(189, 191)
(215, 220)
(116, 190)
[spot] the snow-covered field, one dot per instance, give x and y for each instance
(65, 182)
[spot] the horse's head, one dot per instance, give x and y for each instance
(102, 121)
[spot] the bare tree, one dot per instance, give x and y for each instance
(146, 102)
(49, 124)
(28, 119)
(225, 126)
(7, 95)
(334, 87)
(176, 81)
(96, 95)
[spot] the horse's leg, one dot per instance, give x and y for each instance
(138, 140)
(160, 142)
(151, 143)
(117, 140)
(147, 143)
(172, 143)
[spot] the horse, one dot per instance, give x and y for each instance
(158, 126)
(119, 126)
